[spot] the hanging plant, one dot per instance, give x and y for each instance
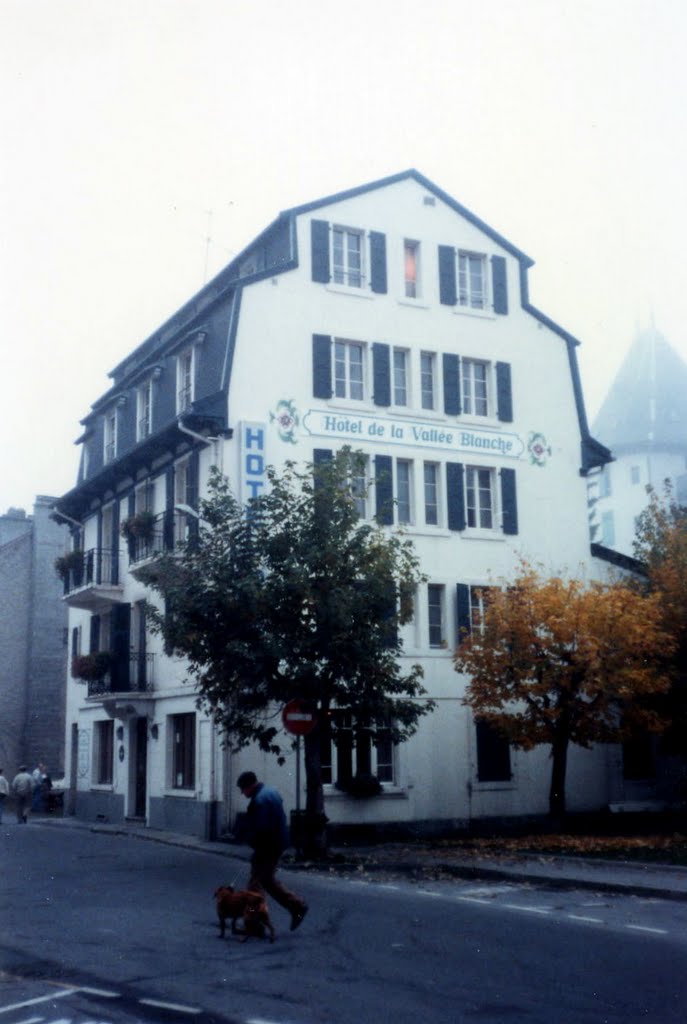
(91, 667)
(140, 526)
(72, 561)
(361, 786)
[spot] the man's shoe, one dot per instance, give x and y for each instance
(297, 917)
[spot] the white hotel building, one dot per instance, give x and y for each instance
(392, 319)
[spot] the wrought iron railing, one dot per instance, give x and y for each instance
(134, 674)
(97, 566)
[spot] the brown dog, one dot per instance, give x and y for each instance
(256, 920)
(233, 904)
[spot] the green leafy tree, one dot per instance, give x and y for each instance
(559, 662)
(293, 595)
(661, 547)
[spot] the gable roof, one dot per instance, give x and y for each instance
(429, 186)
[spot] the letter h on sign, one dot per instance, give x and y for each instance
(252, 454)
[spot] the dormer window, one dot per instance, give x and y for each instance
(110, 449)
(185, 394)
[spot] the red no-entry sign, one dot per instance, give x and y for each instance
(298, 717)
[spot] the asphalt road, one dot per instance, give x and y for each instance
(107, 928)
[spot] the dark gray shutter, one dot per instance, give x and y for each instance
(96, 571)
(168, 527)
(131, 511)
(447, 275)
(319, 250)
(509, 502)
(321, 366)
(504, 395)
(384, 490)
(451, 368)
(463, 622)
(94, 635)
(378, 262)
(381, 374)
(120, 642)
(192, 488)
(499, 284)
(114, 550)
(320, 457)
(455, 496)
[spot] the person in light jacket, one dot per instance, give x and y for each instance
(22, 787)
(4, 792)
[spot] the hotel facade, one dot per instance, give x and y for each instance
(391, 319)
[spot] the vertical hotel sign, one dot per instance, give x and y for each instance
(253, 465)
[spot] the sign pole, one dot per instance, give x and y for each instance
(298, 774)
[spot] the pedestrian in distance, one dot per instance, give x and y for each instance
(22, 787)
(4, 792)
(38, 776)
(268, 834)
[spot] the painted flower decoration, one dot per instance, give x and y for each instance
(538, 449)
(286, 419)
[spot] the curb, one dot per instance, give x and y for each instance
(416, 870)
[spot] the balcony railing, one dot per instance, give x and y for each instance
(99, 566)
(141, 548)
(134, 674)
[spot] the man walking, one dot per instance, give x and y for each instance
(268, 834)
(22, 786)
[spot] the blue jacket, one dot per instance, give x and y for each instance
(267, 830)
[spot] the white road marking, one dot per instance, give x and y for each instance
(426, 892)
(31, 1020)
(170, 1006)
(39, 999)
(102, 992)
(581, 917)
(473, 899)
(529, 910)
(642, 928)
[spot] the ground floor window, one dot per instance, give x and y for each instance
(639, 762)
(493, 754)
(103, 752)
(183, 737)
(350, 751)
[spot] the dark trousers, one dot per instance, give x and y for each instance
(262, 878)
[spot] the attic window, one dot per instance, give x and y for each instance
(429, 201)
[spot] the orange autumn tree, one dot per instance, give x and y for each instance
(561, 661)
(661, 547)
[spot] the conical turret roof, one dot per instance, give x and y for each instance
(646, 406)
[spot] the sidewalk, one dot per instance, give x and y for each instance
(421, 861)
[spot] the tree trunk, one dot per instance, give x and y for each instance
(314, 824)
(559, 758)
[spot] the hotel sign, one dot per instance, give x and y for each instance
(355, 428)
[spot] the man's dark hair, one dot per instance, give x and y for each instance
(246, 779)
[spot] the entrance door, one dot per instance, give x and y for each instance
(141, 768)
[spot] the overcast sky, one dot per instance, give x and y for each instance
(561, 123)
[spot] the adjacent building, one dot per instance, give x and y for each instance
(643, 421)
(392, 319)
(33, 639)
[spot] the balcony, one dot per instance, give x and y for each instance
(147, 540)
(129, 676)
(92, 580)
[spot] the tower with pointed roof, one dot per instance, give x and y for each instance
(643, 421)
